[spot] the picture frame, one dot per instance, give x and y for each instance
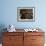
(26, 14)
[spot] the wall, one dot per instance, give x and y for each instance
(9, 13)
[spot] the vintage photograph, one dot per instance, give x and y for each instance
(26, 14)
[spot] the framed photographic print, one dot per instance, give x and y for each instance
(26, 14)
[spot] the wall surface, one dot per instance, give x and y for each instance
(8, 13)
